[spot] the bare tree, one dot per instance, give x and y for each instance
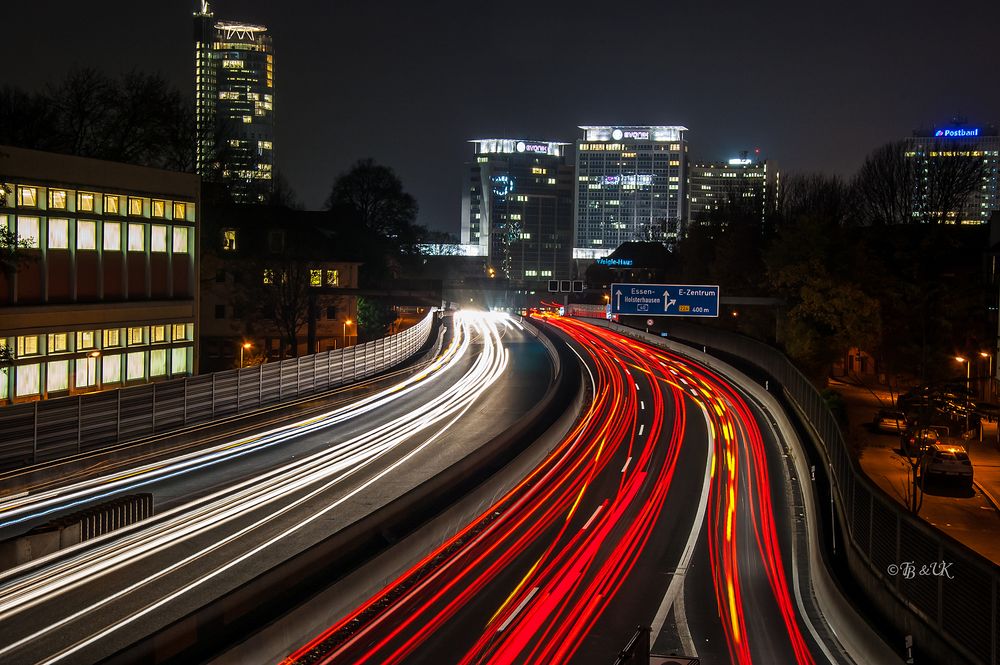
(948, 179)
(882, 190)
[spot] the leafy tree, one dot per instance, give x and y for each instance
(377, 216)
(375, 317)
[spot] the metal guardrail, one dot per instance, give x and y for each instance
(962, 609)
(47, 430)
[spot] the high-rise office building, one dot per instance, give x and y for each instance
(517, 207)
(234, 105)
(630, 186)
(748, 185)
(961, 140)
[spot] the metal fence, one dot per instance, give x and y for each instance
(50, 429)
(963, 611)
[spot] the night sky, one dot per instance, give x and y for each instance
(814, 85)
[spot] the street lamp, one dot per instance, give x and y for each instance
(347, 322)
(246, 346)
(988, 384)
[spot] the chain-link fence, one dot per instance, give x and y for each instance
(51, 429)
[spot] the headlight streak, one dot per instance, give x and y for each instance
(582, 566)
(324, 470)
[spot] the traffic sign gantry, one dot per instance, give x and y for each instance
(665, 299)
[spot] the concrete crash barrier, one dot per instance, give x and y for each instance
(75, 528)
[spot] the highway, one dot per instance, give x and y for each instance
(231, 510)
(670, 503)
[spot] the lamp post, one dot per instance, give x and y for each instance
(968, 382)
(245, 346)
(347, 322)
(988, 384)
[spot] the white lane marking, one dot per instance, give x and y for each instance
(677, 583)
(642, 404)
(636, 385)
(795, 559)
(641, 428)
(627, 462)
(520, 606)
(593, 517)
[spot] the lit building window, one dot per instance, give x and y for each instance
(86, 372)
(86, 234)
(315, 278)
(268, 276)
(110, 205)
(178, 361)
(158, 209)
(229, 240)
(157, 334)
(134, 206)
(158, 362)
(85, 340)
(85, 202)
(179, 332)
(27, 196)
(135, 366)
(112, 338)
(158, 238)
(27, 231)
(111, 369)
(180, 211)
(333, 278)
(57, 375)
(27, 380)
(112, 237)
(180, 240)
(58, 342)
(58, 234)
(136, 239)
(27, 346)
(57, 199)
(136, 336)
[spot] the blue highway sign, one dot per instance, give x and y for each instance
(665, 299)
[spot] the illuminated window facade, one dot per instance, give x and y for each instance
(930, 148)
(517, 207)
(742, 185)
(630, 186)
(107, 261)
(234, 93)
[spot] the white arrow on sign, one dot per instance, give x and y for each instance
(666, 302)
(618, 300)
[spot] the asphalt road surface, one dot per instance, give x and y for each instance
(670, 503)
(231, 511)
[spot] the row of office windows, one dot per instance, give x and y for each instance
(26, 346)
(58, 375)
(58, 234)
(34, 196)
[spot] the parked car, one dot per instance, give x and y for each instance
(915, 442)
(887, 420)
(947, 461)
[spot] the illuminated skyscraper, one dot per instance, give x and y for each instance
(739, 185)
(517, 207)
(932, 149)
(630, 186)
(234, 98)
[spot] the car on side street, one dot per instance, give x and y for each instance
(915, 442)
(945, 461)
(890, 421)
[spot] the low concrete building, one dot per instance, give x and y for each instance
(99, 281)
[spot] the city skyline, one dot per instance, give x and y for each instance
(409, 89)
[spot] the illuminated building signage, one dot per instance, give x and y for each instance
(615, 263)
(739, 162)
(502, 185)
(619, 134)
(956, 133)
(628, 180)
